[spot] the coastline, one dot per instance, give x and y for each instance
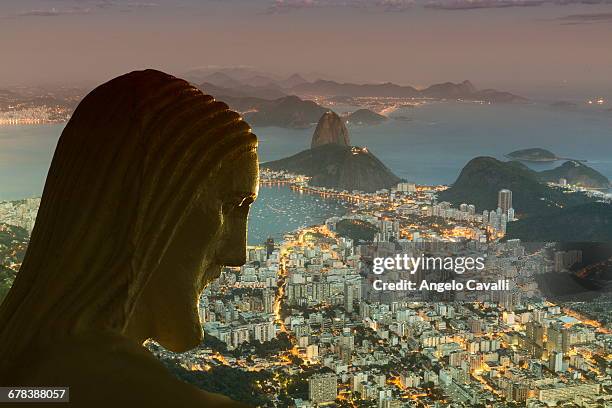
(556, 159)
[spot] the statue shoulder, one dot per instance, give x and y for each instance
(109, 372)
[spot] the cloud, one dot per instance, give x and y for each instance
(480, 4)
(284, 6)
(586, 2)
(86, 7)
(396, 5)
(124, 5)
(576, 19)
(53, 12)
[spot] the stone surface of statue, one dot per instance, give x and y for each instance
(146, 200)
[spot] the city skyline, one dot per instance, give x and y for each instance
(302, 323)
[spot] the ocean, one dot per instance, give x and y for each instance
(429, 145)
(436, 140)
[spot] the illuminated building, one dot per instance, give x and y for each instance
(504, 200)
(322, 388)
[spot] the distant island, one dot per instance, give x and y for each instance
(365, 117)
(286, 112)
(534, 154)
(333, 163)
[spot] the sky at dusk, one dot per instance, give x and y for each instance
(510, 43)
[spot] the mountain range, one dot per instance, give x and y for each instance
(287, 112)
(267, 100)
(246, 83)
(448, 90)
(244, 91)
(545, 213)
(482, 177)
(576, 173)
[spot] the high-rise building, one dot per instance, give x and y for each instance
(475, 326)
(349, 297)
(511, 214)
(269, 246)
(406, 187)
(455, 358)
(268, 300)
(312, 351)
(347, 340)
(566, 259)
(239, 335)
(389, 231)
(471, 209)
(322, 388)
(504, 200)
(535, 333)
(519, 392)
(553, 393)
(357, 382)
(555, 336)
(264, 331)
(555, 361)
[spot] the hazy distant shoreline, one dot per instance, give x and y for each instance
(431, 148)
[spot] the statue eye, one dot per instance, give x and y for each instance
(247, 201)
(239, 203)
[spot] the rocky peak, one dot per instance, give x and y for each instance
(330, 129)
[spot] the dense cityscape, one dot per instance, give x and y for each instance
(300, 324)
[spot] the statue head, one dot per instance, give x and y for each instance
(146, 199)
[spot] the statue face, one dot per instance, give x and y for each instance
(212, 235)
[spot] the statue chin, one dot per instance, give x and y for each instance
(180, 330)
(184, 343)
